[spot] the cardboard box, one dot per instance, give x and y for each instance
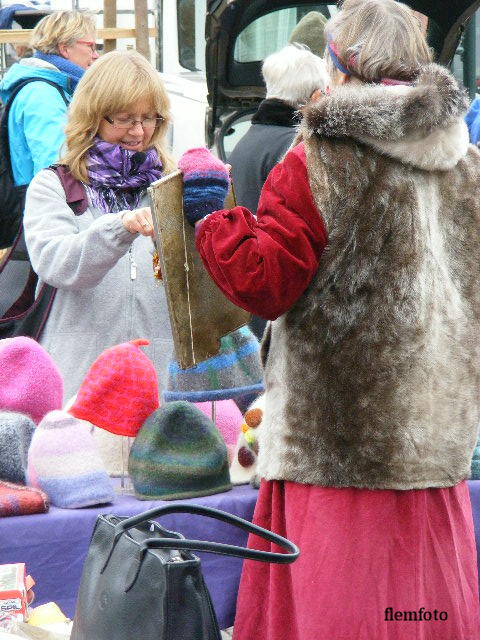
(13, 591)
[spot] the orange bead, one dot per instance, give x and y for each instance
(253, 417)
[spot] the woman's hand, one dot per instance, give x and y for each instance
(139, 221)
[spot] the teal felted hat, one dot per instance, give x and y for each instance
(235, 371)
(178, 453)
(475, 464)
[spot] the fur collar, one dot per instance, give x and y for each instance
(277, 112)
(421, 125)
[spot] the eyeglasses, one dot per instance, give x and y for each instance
(92, 45)
(129, 123)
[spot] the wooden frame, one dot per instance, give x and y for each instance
(199, 312)
(22, 36)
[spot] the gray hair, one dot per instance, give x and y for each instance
(293, 74)
(378, 39)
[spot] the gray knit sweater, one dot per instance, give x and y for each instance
(100, 301)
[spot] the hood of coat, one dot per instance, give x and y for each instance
(420, 124)
(31, 68)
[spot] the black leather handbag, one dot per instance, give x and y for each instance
(143, 581)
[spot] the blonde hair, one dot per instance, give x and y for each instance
(113, 84)
(378, 39)
(62, 27)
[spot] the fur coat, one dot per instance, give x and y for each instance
(372, 377)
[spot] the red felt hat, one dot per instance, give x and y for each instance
(119, 391)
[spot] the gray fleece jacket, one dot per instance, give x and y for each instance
(102, 298)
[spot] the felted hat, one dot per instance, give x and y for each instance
(18, 500)
(16, 432)
(178, 453)
(228, 420)
(310, 31)
(235, 371)
(31, 382)
(475, 464)
(112, 448)
(63, 462)
(113, 451)
(243, 468)
(119, 391)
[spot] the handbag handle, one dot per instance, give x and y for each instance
(215, 547)
(202, 545)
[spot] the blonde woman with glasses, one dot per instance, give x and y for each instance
(365, 257)
(101, 261)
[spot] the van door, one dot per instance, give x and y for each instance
(240, 34)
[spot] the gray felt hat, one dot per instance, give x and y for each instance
(16, 431)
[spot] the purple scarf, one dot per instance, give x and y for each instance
(118, 177)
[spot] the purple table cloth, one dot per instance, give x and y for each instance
(54, 545)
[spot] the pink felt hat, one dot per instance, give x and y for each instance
(228, 420)
(31, 382)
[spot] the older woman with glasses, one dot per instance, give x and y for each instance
(101, 261)
(64, 44)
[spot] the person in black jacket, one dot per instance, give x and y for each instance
(293, 76)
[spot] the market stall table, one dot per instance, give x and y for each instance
(54, 545)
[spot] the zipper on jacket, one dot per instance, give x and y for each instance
(133, 265)
(131, 294)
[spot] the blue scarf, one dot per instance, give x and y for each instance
(72, 70)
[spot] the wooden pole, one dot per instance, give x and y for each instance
(141, 28)
(109, 20)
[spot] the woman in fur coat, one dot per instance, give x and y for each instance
(365, 257)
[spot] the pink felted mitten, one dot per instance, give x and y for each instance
(205, 183)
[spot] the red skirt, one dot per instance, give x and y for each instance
(373, 565)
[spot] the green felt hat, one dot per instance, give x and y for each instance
(178, 453)
(310, 32)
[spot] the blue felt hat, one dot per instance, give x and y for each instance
(235, 371)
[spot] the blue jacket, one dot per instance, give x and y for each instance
(473, 121)
(37, 118)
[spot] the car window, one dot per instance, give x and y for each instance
(466, 61)
(191, 34)
(271, 32)
(233, 133)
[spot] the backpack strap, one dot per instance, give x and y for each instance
(16, 88)
(75, 192)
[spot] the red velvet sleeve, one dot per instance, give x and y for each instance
(264, 264)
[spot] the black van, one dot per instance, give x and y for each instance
(241, 33)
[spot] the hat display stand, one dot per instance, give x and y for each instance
(214, 412)
(126, 485)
